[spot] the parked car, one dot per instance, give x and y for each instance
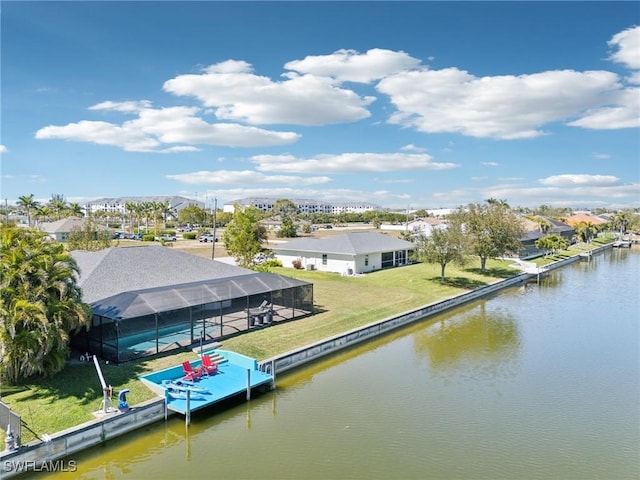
(166, 238)
(207, 237)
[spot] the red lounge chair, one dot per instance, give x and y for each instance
(208, 366)
(190, 373)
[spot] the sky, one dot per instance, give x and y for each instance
(400, 104)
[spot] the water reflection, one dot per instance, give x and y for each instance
(475, 338)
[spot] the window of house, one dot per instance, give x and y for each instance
(387, 259)
(324, 259)
(366, 260)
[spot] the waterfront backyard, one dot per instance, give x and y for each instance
(341, 303)
(539, 381)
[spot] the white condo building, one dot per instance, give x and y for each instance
(304, 205)
(118, 204)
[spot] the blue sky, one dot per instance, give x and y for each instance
(416, 104)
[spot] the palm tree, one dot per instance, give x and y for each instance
(75, 210)
(620, 222)
(40, 304)
(130, 210)
(43, 213)
(585, 231)
(544, 225)
(57, 204)
(165, 209)
(146, 210)
(28, 203)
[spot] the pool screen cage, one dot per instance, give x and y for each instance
(146, 322)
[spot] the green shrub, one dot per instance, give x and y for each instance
(189, 235)
(150, 237)
(267, 265)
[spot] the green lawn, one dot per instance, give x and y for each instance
(342, 303)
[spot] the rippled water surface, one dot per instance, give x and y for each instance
(538, 382)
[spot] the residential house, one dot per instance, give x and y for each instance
(60, 229)
(347, 254)
(147, 300)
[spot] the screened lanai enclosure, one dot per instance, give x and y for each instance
(139, 323)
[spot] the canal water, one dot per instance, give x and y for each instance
(538, 382)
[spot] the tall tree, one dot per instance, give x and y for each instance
(40, 304)
(620, 222)
(444, 246)
(28, 203)
(288, 229)
(192, 214)
(493, 229)
(243, 236)
(44, 213)
(284, 208)
(91, 237)
(75, 210)
(552, 244)
(166, 211)
(57, 204)
(585, 231)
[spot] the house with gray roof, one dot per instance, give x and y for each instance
(347, 254)
(60, 229)
(147, 300)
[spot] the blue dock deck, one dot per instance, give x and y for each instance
(235, 373)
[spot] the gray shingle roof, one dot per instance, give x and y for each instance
(356, 243)
(66, 225)
(116, 270)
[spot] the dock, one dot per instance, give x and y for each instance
(622, 244)
(236, 375)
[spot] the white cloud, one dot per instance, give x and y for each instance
(234, 92)
(601, 156)
(156, 130)
(412, 148)
(569, 179)
(624, 114)
(627, 45)
(126, 107)
(490, 164)
(352, 66)
(566, 195)
(349, 163)
(229, 177)
(3, 149)
(394, 180)
(503, 107)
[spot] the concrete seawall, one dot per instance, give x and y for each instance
(314, 351)
(46, 455)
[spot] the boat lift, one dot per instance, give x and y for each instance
(107, 390)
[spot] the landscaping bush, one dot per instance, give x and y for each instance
(150, 237)
(297, 264)
(189, 235)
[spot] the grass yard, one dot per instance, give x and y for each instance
(49, 405)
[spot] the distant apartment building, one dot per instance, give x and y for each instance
(303, 205)
(118, 204)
